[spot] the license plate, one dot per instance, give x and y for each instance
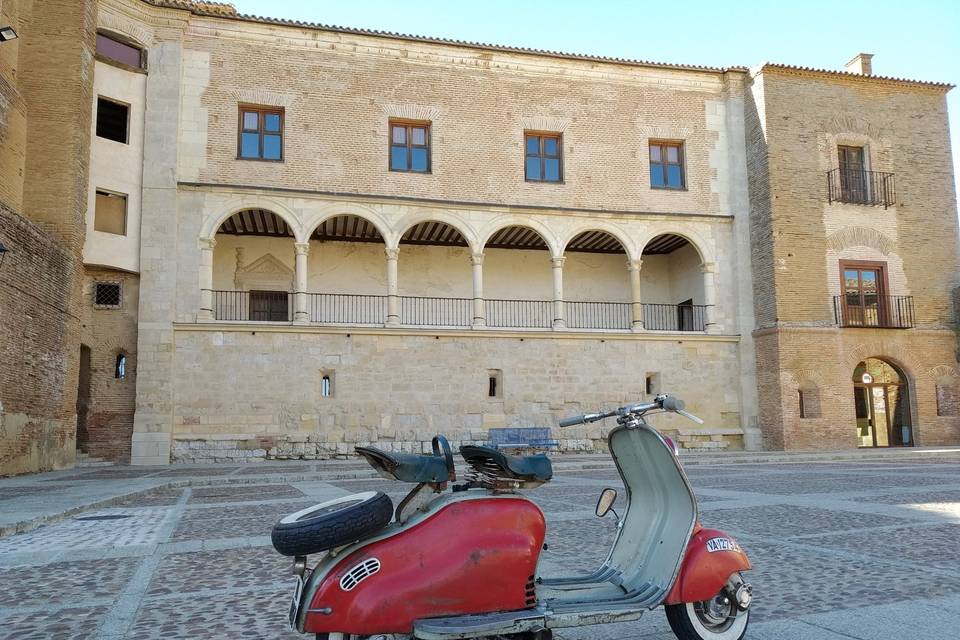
(295, 602)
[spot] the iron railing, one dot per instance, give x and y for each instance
(252, 306)
(598, 315)
(436, 312)
(881, 312)
(674, 317)
(519, 314)
(343, 308)
(873, 188)
(352, 309)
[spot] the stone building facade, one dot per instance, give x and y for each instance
(307, 237)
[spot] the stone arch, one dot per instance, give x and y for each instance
(892, 354)
(213, 222)
(503, 222)
(336, 211)
(457, 223)
(860, 237)
(698, 243)
(618, 234)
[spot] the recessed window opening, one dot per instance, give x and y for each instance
(261, 133)
(326, 384)
(653, 384)
(120, 369)
(113, 49)
(106, 294)
(112, 120)
(410, 147)
(666, 165)
(494, 386)
(110, 213)
(543, 157)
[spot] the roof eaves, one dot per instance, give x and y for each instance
(847, 74)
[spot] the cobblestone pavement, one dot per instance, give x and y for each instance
(840, 550)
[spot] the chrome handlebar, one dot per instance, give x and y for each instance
(662, 402)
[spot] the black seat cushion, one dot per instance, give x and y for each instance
(406, 467)
(536, 468)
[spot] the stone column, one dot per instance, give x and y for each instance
(559, 317)
(300, 315)
(393, 299)
(633, 266)
(709, 270)
(479, 306)
(206, 279)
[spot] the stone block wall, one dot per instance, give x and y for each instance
(399, 389)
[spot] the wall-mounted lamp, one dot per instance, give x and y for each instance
(7, 33)
(3, 253)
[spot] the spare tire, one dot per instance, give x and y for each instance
(332, 524)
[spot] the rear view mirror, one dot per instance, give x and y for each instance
(607, 497)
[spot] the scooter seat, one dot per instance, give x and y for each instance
(535, 468)
(406, 467)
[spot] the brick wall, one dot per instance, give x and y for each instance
(37, 339)
(109, 332)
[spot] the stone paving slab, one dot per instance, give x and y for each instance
(199, 564)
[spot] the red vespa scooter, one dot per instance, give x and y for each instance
(463, 563)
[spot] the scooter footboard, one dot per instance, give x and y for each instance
(712, 556)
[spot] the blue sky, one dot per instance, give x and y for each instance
(918, 39)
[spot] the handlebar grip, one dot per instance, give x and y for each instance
(672, 404)
(569, 422)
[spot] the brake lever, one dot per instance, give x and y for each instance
(689, 416)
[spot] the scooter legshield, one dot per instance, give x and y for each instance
(471, 556)
(712, 556)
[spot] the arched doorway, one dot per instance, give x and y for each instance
(882, 402)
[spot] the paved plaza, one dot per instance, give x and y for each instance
(848, 549)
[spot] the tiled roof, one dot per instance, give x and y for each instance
(223, 10)
(226, 10)
(834, 72)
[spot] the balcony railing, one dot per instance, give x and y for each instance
(350, 309)
(881, 312)
(873, 188)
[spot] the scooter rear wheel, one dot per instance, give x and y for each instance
(714, 619)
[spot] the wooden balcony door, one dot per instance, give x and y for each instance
(269, 306)
(864, 287)
(853, 174)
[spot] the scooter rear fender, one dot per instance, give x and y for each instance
(712, 556)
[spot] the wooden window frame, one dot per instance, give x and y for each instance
(543, 135)
(680, 145)
(126, 209)
(408, 125)
(128, 42)
(261, 111)
(883, 310)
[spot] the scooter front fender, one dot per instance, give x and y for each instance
(712, 556)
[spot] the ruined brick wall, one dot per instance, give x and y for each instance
(37, 341)
(45, 104)
(109, 332)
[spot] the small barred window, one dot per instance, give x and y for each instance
(107, 294)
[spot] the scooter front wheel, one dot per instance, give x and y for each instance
(716, 619)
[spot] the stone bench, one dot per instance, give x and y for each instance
(521, 438)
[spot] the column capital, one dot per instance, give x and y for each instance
(708, 267)
(392, 253)
(476, 259)
(302, 248)
(634, 265)
(558, 262)
(207, 243)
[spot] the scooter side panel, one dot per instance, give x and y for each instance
(473, 556)
(712, 556)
